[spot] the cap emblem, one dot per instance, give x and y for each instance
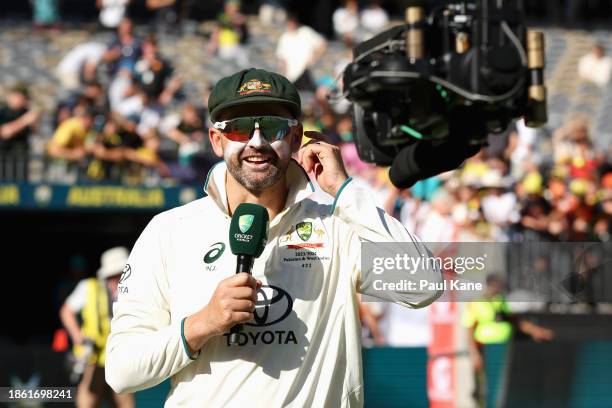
(253, 86)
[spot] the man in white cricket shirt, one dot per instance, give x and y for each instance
(301, 344)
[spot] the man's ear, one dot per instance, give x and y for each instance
(298, 133)
(215, 141)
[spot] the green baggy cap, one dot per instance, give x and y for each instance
(253, 86)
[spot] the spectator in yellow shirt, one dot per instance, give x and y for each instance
(490, 321)
(147, 155)
(230, 35)
(68, 142)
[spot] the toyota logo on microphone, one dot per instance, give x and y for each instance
(272, 306)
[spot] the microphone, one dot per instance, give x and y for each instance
(424, 159)
(248, 235)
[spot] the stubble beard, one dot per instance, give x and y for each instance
(258, 181)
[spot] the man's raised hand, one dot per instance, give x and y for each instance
(324, 161)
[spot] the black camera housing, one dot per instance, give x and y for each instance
(462, 70)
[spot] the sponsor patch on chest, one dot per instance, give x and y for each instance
(305, 242)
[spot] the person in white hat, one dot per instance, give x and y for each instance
(92, 299)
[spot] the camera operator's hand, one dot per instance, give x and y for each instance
(324, 161)
(233, 302)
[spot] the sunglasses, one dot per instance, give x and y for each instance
(241, 129)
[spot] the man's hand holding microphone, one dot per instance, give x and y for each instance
(233, 301)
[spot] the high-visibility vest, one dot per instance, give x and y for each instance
(482, 314)
(96, 321)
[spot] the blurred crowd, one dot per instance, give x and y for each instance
(123, 117)
(524, 186)
(122, 114)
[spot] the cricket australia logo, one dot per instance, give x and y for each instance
(245, 221)
(304, 230)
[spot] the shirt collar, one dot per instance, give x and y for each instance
(298, 183)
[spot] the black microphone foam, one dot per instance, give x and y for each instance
(424, 159)
(248, 235)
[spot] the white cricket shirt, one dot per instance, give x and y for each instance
(303, 349)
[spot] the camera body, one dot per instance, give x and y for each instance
(465, 69)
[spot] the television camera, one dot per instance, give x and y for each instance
(427, 93)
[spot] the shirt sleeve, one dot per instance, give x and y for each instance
(145, 345)
(77, 299)
(355, 206)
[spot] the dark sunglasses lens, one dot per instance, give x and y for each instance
(239, 130)
(237, 136)
(274, 128)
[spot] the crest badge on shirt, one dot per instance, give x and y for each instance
(304, 230)
(302, 235)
